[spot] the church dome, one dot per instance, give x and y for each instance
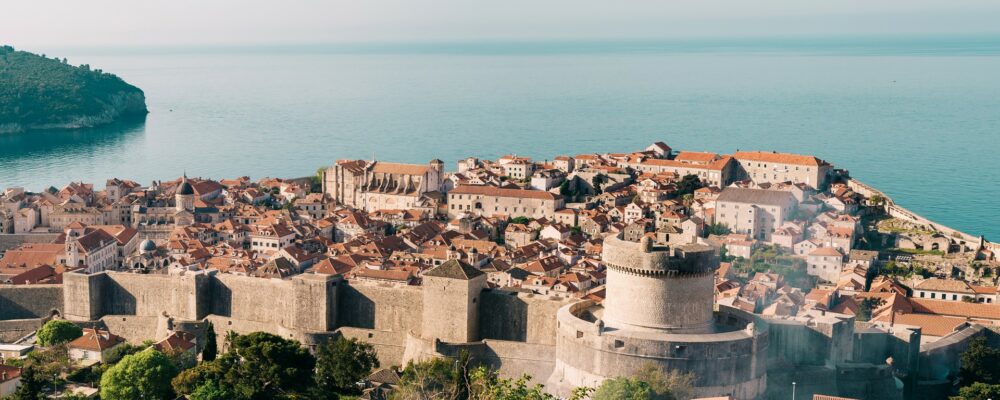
(147, 246)
(185, 188)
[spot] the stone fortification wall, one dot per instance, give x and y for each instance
(390, 346)
(794, 342)
(11, 240)
(514, 359)
(381, 307)
(941, 358)
(12, 330)
(30, 301)
(723, 363)
(293, 308)
(902, 213)
(522, 317)
(135, 329)
(153, 295)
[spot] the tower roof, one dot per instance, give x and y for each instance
(185, 187)
(455, 269)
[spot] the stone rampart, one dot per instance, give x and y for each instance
(12, 330)
(152, 295)
(381, 307)
(522, 317)
(11, 240)
(30, 301)
(897, 211)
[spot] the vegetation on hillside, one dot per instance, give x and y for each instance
(41, 92)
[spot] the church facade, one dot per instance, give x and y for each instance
(377, 185)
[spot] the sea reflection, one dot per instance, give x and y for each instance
(47, 156)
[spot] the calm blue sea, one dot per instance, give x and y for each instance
(916, 117)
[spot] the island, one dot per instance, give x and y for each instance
(37, 92)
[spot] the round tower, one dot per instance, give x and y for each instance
(662, 289)
(184, 197)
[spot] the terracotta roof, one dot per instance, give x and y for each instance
(383, 274)
(454, 269)
(956, 308)
(96, 340)
(696, 156)
(826, 251)
(177, 341)
(945, 285)
(9, 373)
(504, 192)
(778, 158)
(31, 255)
(930, 324)
(398, 168)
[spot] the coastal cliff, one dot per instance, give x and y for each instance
(37, 92)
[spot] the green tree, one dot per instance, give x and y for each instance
(207, 373)
(687, 185)
(58, 331)
(257, 366)
(343, 362)
(119, 352)
(978, 391)
(624, 389)
(980, 363)
(596, 182)
(211, 347)
(520, 220)
(144, 375)
(485, 384)
(667, 385)
(867, 307)
(32, 384)
(717, 229)
(211, 390)
(434, 379)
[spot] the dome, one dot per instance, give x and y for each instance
(147, 245)
(185, 188)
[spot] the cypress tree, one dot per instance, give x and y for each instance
(210, 350)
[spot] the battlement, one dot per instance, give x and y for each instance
(645, 258)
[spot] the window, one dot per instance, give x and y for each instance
(933, 295)
(579, 334)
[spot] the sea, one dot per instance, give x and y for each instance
(917, 117)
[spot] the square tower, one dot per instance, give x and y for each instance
(451, 302)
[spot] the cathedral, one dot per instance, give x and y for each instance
(377, 185)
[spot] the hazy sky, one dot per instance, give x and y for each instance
(30, 23)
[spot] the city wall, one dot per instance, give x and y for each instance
(897, 211)
(30, 301)
(520, 317)
(24, 308)
(12, 240)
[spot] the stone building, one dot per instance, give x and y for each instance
(377, 185)
(489, 201)
(773, 167)
(718, 172)
(756, 212)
